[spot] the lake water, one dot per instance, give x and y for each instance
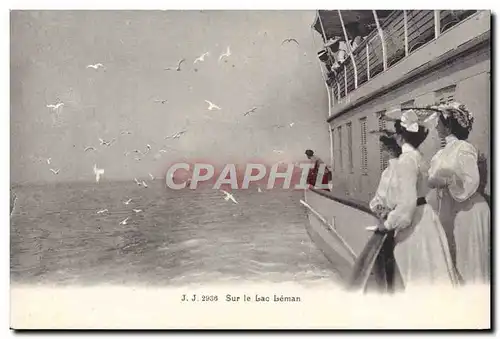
(178, 237)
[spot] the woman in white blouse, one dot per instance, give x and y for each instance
(385, 270)
(391, 150)
(464, 213)
(421, 251)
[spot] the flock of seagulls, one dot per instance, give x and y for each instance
(126, 220)
(99, 172)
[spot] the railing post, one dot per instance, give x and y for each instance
(437, 23)
(330, 91)
(338, 89)
(381, 34)
(322, 28)
(367, 60)
(324, 35)
(325, 78)
(405, 15)
(349, 49)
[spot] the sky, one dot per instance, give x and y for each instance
(50, 51)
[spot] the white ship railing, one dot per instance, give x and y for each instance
(395, 38)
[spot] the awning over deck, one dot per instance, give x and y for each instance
(357, 22)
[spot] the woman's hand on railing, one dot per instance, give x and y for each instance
(381, 211)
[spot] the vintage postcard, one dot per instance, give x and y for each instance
(250, 169)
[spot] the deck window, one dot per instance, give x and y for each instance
(383, 159)
(339, 133)
(445, 95)
(349, 147)
(364, 149)
(333, 148)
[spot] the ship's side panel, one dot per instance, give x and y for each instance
(464, 78)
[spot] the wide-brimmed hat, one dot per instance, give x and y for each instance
(413, 117)
(457, 111)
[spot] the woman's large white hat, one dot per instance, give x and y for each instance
(412, 118)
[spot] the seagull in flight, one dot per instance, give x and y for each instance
(127, 202)
(178, 68)
(290, 40)
(148, 146)
(102, 211)
(229, 196)
(162, 151)
(162, 101)
(89, 148)
(98, 172)
(137, 182)
(56, 106)
(151, 176)
(54, 171)
(226, 54)
(144, 184)
(106, 143)
(212, 106)
(137, 211)
(201, 58)
(48, 161)
(96, 66)
(126, 132)
(253, 109)
(291, 124)
(176, 135)
(124, 222)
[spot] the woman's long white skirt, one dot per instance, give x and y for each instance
(422, 252)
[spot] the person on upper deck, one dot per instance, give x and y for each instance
(341, 55)
(454, 176)
(313, 173)
(356, 42)
(421, 249)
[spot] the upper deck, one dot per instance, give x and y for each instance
(399, 46)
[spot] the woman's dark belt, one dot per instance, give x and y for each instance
(421, 201)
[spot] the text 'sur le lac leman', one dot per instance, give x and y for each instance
(245, 298)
